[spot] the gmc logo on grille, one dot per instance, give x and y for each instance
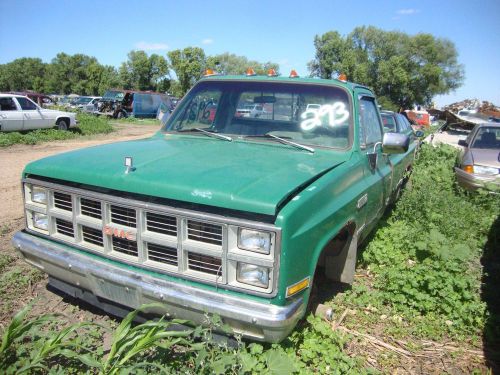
(120, 233)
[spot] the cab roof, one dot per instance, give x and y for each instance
(263, 78)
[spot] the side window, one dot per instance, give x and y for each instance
(7, 104)
(26, 104)
(370, 129)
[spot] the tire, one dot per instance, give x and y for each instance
(121, 115)
(62, 124)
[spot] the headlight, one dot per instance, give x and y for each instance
(40, 221)
(39, 195)
(253, 275)
(254, 241)
(485, 170)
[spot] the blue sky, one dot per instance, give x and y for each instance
(281, 32)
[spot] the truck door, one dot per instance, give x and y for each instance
(11, 116)
(377, 166)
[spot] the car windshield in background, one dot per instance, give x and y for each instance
(389, 123)
(308, 114)
(83, 100)
(487, 138)
(113, 95)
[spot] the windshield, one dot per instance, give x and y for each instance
(113, 95)
(83, 100)
(389, 123)
(487, 137)
(255, 109)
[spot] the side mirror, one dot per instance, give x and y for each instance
(462, 142)
(395, 143)
(419, 134)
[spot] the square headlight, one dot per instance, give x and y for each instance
(253, 275)
(39, 195)
(254, 240)
(40, 221)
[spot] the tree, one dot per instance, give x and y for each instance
(143, 72)
(229, 63)
(403, 70)
(188, 65)
(22, 74)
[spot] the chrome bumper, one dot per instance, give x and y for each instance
(471, 181)
(131, 288)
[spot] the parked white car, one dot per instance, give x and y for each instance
(18, 113)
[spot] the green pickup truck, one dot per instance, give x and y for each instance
(222, 211)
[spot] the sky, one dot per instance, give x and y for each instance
(277, 31)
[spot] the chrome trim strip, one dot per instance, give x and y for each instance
(94, 275)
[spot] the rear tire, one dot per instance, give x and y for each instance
(121, 115)
(62, 124)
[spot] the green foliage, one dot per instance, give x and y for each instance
(143, 72)
(229, 63)
(88, 125)
(426, 256)
(188, 65)
(402, 69)
(22, 74)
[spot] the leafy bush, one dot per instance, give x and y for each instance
(88, 125)
(425, 257)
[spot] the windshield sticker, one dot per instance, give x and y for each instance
(335, 114)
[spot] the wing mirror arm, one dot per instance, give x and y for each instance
(373, 156)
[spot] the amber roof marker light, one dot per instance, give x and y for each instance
(294, 74)
(272, 73)
(209, 72)
(250, 72)
(342, 77)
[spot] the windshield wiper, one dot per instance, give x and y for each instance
(284, 141)
(209, 133)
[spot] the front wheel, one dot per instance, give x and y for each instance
(120, 115)
(62, 124)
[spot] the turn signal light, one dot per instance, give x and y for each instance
(272, 73)
(250, 72)
(342, 77)
(293, 74)
(468, 168)
(297, 287)
(209, 72)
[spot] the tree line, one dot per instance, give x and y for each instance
(403, 70)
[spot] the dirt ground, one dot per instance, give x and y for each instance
(12, 162)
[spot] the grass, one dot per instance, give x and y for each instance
(418, 291)
(136, 121)
(88, 125)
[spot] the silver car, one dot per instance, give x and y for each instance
(479, 166)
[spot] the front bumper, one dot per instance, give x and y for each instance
(126, 286)
(472, 181)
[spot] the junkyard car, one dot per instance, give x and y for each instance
(18, 113)
(479, 166)
(86, 103)
(124, 103)
(233, 217)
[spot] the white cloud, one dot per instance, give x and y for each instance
(207, 41)
(407, 12)
(150, 46)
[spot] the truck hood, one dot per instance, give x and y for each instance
(240, 175)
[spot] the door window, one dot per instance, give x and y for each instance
(370, 129)
(7, 104)
(26, 104)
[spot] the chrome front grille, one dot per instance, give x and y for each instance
(92, 236)
(205, 263)
(124, 216)
(62, 201)
(125, 246)
(65, 228)
(178, 242)
(91, 208)
(162, 254)
(204, 232)
(163, 224)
